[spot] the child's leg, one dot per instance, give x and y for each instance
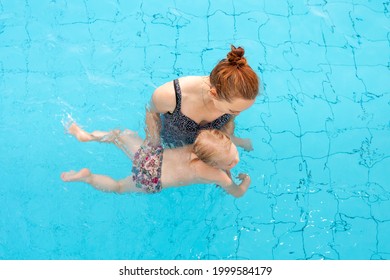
(101, 182)
(84, 136)
(128, 141)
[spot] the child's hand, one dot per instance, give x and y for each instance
(246, 144)
(244, 178)
(245, 182)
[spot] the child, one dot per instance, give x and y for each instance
(208, 160)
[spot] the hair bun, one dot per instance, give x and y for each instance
(236, 57)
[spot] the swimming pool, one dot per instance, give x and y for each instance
(320, 168)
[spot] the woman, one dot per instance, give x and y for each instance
(180, 109)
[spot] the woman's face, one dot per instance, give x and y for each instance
(234, 107)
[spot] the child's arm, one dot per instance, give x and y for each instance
(224, 180)
(234, 189)
(211, 175)
(244, 143)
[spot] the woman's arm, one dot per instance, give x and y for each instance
(152, 124)
(163, 100)
(244, 143)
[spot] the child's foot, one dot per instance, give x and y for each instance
(72, 176)
(79, 133)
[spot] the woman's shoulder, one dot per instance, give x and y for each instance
(163, 98)
(185, 81)
(191, 85)
(190, 81)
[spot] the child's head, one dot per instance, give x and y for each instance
(215, 148)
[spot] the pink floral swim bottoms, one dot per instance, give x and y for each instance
(147, 168)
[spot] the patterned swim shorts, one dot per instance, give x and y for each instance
(147, 168)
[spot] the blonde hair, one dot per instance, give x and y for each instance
(209, 145)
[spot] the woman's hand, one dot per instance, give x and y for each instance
(246, 144)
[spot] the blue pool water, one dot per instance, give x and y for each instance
(321, 128)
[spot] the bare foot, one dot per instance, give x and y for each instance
(79, 133)
(73, 176)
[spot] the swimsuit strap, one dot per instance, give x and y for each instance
(178, 94)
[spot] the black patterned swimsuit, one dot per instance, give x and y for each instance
(179, 130)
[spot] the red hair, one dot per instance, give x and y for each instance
(233, 78)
